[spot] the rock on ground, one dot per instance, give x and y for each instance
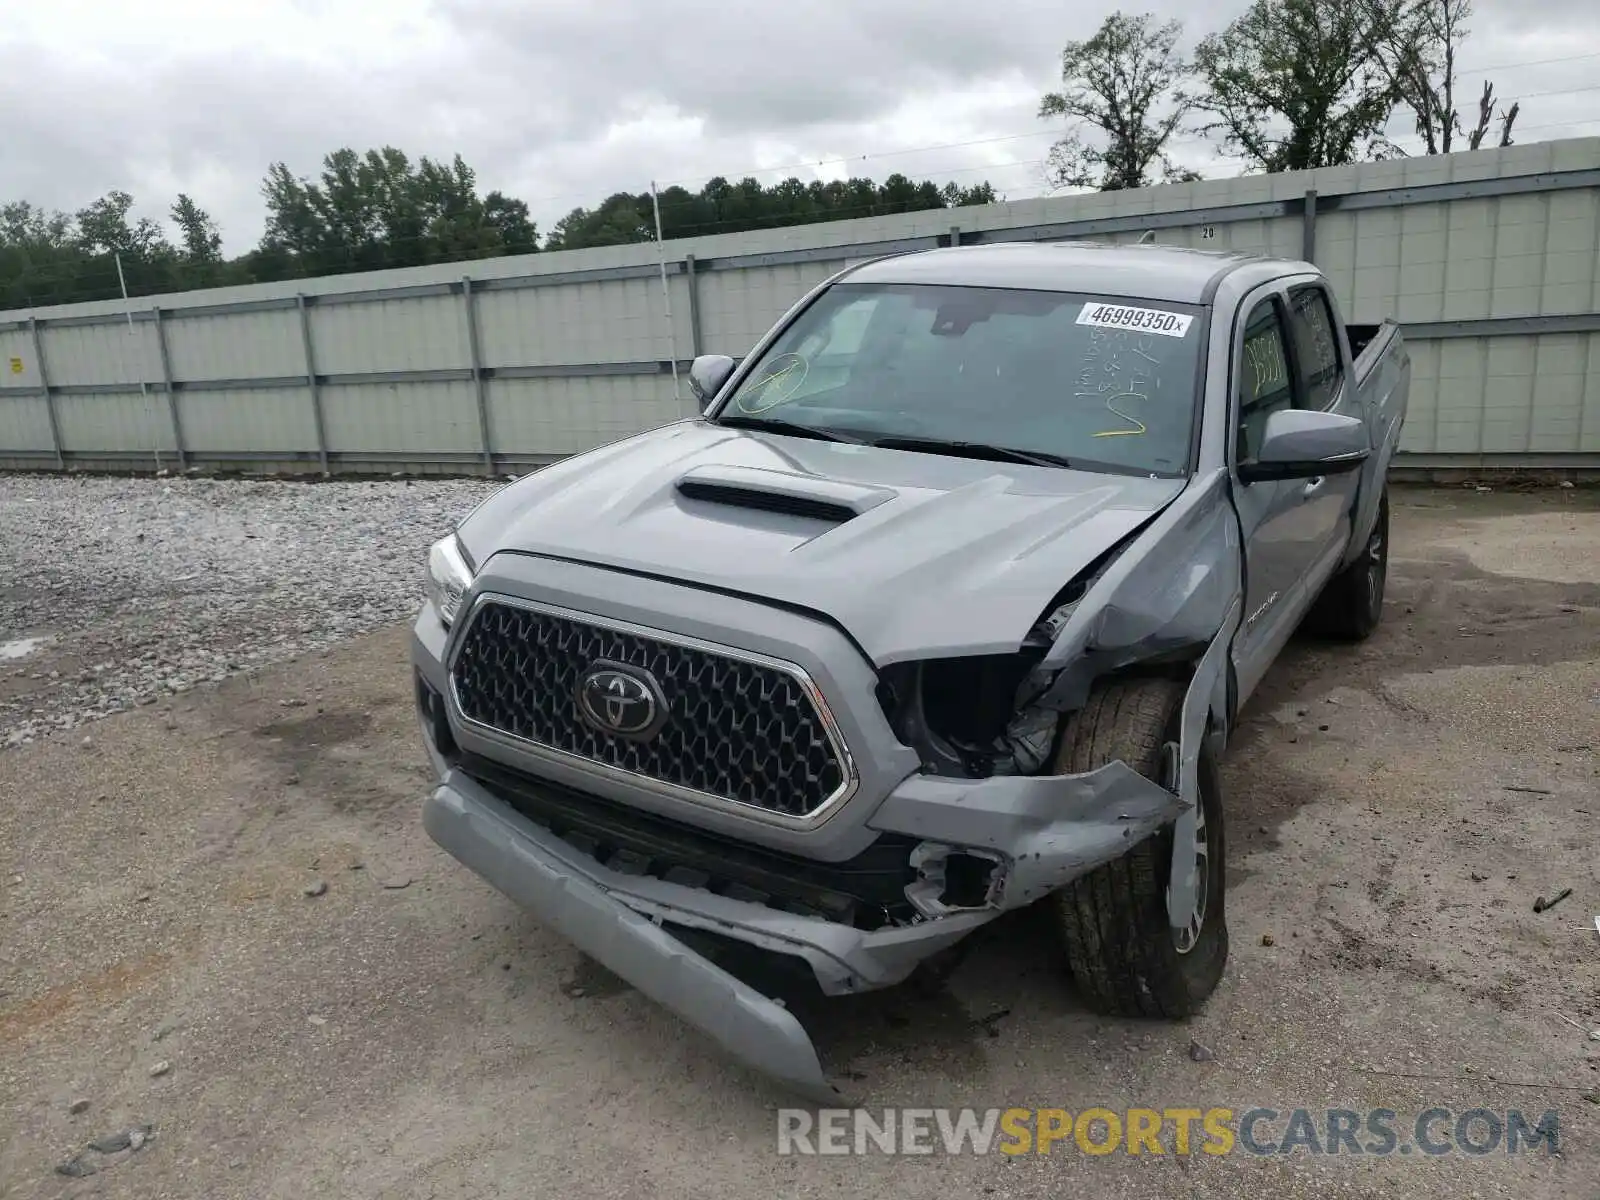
(135, 588)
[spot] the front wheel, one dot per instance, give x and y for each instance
(1125, 956)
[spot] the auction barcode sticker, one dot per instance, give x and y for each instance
(1144, 320)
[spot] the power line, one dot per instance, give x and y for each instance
(844, 160)
(1540, 62)
(849, 158)
(86, 272)
(78, 268)
(1200, 140)
(1008, 137)
(1590, 87)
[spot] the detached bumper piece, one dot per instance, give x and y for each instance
(506, 850)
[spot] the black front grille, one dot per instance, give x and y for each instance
(867, 891)
(736, 730)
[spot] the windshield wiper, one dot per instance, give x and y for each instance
(794, 428)
(1037, 458)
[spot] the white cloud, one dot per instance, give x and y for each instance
(564, 102)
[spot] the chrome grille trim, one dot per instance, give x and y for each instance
(850, 776)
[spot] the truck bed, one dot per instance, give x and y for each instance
(1367, 343)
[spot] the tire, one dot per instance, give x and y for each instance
(1351, 605)
(1113, 922)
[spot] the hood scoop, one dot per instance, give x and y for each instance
(781, 492)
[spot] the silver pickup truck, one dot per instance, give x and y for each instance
(943, 607)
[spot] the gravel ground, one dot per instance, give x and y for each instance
(223, 930)
(144, 588)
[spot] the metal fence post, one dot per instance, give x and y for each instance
(166, 382)
(311, 381)
(693, 281)
(480, 384)
(1308, 227)
(49, 400)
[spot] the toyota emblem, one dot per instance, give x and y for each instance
(621, 700)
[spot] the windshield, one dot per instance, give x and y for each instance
(1103, 384)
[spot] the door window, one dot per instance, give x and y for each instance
(1316, 347)
(1264, 384)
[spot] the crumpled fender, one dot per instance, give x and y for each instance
(1177, 589)
(1168, 592)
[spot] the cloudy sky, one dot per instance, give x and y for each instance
(564, 101)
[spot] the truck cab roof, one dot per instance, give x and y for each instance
(1151, 272)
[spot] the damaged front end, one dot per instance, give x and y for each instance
(1167, 608)
(655, 900)
(981, 827)
(983, 716)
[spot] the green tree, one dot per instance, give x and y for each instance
(1126, 84)
(23, 224)
(725, 207)
(378, 209)
(619, 220)
(107, 235)
(104, 228)
(509, 224)
(953, 195)
(1296, 84)
(200, 245)
(40, 260)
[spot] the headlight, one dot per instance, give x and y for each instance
(449, 576)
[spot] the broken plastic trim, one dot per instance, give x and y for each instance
(938, 890)
(1207, 695)
(1029, 738)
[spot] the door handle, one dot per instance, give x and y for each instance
(1315, 486)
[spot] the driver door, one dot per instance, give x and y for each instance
(1283, 522)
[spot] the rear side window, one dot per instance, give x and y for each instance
(1316, 347)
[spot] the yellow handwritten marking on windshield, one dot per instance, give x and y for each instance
(771, 384)
(1139, 426)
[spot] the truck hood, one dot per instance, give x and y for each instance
(914, 555)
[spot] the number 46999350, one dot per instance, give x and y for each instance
(1142, 320)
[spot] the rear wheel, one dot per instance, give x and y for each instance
(1352, 602)
(1125, 956)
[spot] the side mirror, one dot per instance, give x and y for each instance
(707, 374)
(1302, 444)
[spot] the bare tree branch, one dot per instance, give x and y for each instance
(1485, 115)
(1421, 60)
(1508, 118)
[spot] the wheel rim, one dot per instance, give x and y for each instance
(1188, 936)
(1376, 567)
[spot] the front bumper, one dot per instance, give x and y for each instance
(508, 852)
(1046, 830)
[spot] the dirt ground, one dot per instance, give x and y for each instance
(1396, 809)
